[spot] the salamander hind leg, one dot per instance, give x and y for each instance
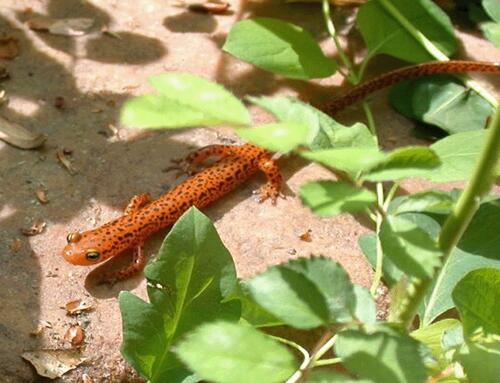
(272, 187)
(137, 202)
(137, 265)
(190, 164)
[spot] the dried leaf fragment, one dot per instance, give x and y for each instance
(306, 237)
(77, 306)
(105, 31)
(74, 335)
(53, 363)
(64, 160)
(213, 7)
(59, 102)
(40, 327)
(16, 245)
(19, 136)
(41, 195)
(35, 229)
(65, 27)
(4, 73)
(9, 48)
(87, 379)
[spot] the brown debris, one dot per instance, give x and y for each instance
(306, 237)
(16, 245)
(77, 306)
(9, 48)
(20, 137)
(87, 379)
(4, 74)
(41, 195)
(65, 27)
(74, 335)
(64, 160)
(35, 229)
(213, 7)
(40, 327)
(53, 363)
(59, 102)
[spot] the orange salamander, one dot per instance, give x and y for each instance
(142, 217)
(236, 164)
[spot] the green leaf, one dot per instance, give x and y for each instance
(279, 47)
(277, 137)
(429, 201)
(190, 283)
(491, 31)
(458, 154)
(355, 136)
(409, 161)
(324, 130)
(477, 298)
(383, 33)
(441, 100)
(432, 336)
(145, 342)
(305, 293)
(227, 352)
(327, 198)
(365, 309)
(409, 247)
(184, 100)
(492, 8)
(381, 355)
(481, 359)
(477, 249)
(368, 244)
(252, 312)
(323, 375)
(350, 160)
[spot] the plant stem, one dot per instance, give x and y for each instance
(351, 75)
(327, 362)
(305, 363)
(380, 255)
(478, 187)
(430, 47)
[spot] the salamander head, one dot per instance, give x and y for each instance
(85, 249)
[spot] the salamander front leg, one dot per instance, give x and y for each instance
(137, 202)
(138, 262)
(190, 164)
(272, 187)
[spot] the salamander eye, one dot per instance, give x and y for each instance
(73, 237)
(92, 255)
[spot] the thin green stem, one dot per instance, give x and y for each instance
(479, 185)
(414, 32)
(390, 195)
(305, 362)
(379, 253)
(370, 120)
(351, 75)
(433, 50)
(327, 362)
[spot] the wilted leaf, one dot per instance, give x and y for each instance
(65, 27)
(19, 136)
(53, 363)
(77, 306)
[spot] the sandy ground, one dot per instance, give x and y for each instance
(94, 74)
